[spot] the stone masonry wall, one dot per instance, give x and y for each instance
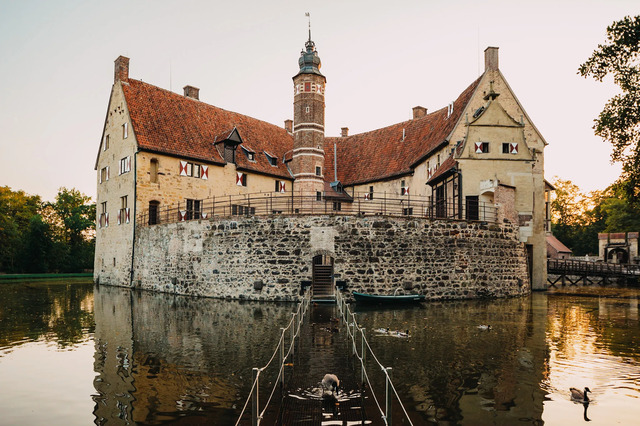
(225, 258)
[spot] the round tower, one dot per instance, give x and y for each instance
(307, 162)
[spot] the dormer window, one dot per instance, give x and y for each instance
(251, 156)
(272, 160)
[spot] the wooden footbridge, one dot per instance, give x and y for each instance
(572, 272)
(322, 338)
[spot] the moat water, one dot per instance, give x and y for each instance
(79, 354)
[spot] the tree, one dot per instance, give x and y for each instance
(16, 211)
(619, 121)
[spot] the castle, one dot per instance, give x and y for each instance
(164, 155)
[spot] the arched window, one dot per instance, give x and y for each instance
(153, 175)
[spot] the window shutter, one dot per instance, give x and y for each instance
(99, 222)
(107, 172)
(204, 215)
(478, 147)
(106, 220)
(514, 148)
(239, 178)
(127, 215)
(367, 196)
(204, 172)
(183, 168)
(119, 217)
(182, 214)
(100, 176)
(128, 163)
(125, 130)
(282, 187)
(405, 190)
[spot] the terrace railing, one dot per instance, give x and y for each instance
(262, 204)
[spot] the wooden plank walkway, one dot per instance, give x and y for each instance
(323, 348)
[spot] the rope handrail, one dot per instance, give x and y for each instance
(296, 320)
(346, 313)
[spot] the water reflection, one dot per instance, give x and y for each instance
(59, 313)
(162, 358)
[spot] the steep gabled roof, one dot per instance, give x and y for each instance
(383, 154)
(173, 124)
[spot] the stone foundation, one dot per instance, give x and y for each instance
(267, 258)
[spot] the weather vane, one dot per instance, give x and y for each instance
(309, 16)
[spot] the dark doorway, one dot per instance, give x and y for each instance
(322, 288)
(472, 207)
(618, 255)
(530, 261)
(154, 208)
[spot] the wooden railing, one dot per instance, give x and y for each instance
(262, 204)
(583, 267)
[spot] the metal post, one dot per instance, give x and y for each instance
(388, 396)
(293, 335)
(282, 356)
(353, 317)
(364, 353)
(254, 399)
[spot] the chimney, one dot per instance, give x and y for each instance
(192, 92)
(344, 132)
(288, 125)
(491, 59)
(121, 71)
(419, 112)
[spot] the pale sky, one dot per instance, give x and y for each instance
(381, 58)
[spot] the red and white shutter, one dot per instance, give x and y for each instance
(513, 148)
(239, 178)
(127, 215)
(405, 190)
(119, 217)
(204, 174)
(478, 147)
(183, 168)
(282, 187)
(203, 215)
(106, 220)
(99, 222)
(367, 196)
(182, 215)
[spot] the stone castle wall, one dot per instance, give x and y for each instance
(228, 258)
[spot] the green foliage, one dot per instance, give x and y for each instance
(46, 237)
(577, 218)
(619, 121)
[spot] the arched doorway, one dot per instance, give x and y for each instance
(322, 288)
(618, 255)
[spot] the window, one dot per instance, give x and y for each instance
(230, 153)
(194, 209)
(123, 213)
(404, 189)
(509, 148)
(105, 145)
(407, 211)
(272, 160)
(125, 165)
(250, 155)
(318, 196)
(104, 174)
(337, 206)
(371, 192)
(318, 171)
(196, 170)
(125, 130)
(153, 172)
(482, 147)
(104, 216)
(505, 148)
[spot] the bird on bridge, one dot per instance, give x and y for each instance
(330, 385)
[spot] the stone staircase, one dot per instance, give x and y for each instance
(322, 286)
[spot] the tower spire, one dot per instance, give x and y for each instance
(308, 15)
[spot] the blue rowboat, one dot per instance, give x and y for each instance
(387, 299)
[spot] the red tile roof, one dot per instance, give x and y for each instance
(173, 124)
(557, 244)
(383, 154)
(448, 164)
